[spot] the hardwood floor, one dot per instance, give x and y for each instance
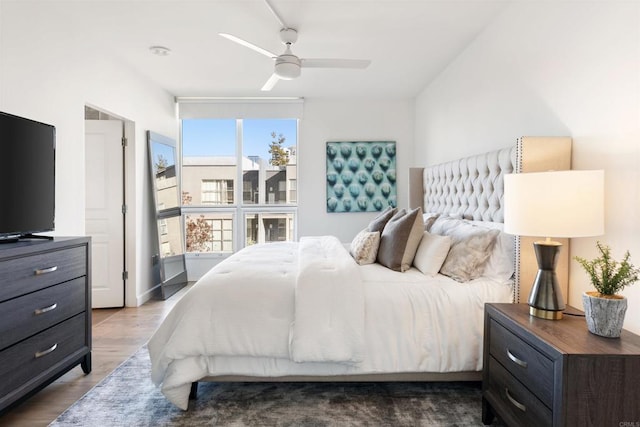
(117, 334)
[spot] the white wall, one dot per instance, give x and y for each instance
(545, 68)
(347, 120)
(48, 74)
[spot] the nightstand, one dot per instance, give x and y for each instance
(541, 372)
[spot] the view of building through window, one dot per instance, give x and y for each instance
(218, 154)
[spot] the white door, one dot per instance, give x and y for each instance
(103, 210)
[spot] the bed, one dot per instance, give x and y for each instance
(321, 310)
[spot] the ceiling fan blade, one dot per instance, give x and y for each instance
(334, 63)
(249, 45)
(271, 8)
(270, 83)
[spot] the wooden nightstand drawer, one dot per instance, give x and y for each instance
(595, 379)
(30, 273)
(29, 314)
(517, 404)
(523, 361)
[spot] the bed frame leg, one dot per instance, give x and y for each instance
(193, 394)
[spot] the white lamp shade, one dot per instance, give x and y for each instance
(554, 204)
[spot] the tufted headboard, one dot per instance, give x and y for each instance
(473, 188)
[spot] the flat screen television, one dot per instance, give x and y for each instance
(27, 177)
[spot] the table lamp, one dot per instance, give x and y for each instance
(552, 204)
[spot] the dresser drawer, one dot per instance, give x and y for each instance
(29, 314)
(526, 363)
(519, 405)
(27, 274)
(25, 364)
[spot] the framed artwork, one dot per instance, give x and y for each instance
(361, 176)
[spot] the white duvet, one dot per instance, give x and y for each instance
(308, 309)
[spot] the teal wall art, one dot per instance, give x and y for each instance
(361, 176)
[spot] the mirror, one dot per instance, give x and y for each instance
(165, 186)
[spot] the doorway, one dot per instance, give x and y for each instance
(105, 207)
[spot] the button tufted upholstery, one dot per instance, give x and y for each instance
(471, 187)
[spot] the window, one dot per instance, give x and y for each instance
(218, 153)
(217, 192)
(268, 227)
(211, 232)
(293, 191)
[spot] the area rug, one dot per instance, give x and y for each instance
(127, 397)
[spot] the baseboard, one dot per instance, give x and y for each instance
(154, 292)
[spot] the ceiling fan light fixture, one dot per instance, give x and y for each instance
(287, 71)
(287, 66)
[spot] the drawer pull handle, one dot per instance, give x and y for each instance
(514, 402)
(515, 360)
(40, 271)
(45, 309)
(47, 351)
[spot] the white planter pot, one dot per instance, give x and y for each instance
(604, 316)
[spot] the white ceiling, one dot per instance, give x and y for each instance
(408, 42)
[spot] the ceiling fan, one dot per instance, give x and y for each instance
(288, 65)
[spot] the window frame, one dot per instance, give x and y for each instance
(239, 210)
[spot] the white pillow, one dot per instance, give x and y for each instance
(364, 247)
(429, 218)
(431, 253)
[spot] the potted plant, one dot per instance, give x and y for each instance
(604, 308)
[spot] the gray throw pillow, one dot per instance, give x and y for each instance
(378, 223)
(400, 239)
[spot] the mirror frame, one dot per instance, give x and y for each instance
(172, 268)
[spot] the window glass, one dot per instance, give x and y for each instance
(208, 161)
(269, 160)
(209, 232)
(268, 227)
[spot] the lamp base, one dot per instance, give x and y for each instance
(545, 314)
(545, 300)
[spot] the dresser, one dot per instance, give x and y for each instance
(541, 372)
(45, 313)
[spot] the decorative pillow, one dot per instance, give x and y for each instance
(378, 223)
(431, 253)
(501, 263)
(470, 249)
(364, 247)
(429, 218)
(400, 239)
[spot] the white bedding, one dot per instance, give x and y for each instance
(244, 321)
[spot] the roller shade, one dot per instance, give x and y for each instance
(240, 108)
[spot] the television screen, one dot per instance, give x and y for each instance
(27, 176)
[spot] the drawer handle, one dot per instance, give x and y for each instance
(45, 309)
(513, 401)
(40, 271)
(47, 351)
(515, 360)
